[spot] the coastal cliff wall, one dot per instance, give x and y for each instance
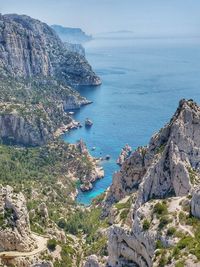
(36, 72)
(158, 181)
(31, 48)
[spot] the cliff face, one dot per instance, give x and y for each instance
(164, 167)
(31, 48)
(36, 69)
(15, 231)
(168, 168)
(18, 130)
(76, 48)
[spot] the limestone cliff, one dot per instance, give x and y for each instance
(30, 48)
(36, 69)
(158, 180)
(76, 48)
(165, 166)
(15, 231)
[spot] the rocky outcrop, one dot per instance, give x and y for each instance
(15, 231)
(125, 250)
(72, 102)
(88, 123)
(125, 153)
(30, 48)
(43, 211)
(15, 129)
(195, 203)
(92, 261)
(96, 172)
(30, 125)
(168, 167)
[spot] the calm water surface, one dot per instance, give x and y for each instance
(143, 81)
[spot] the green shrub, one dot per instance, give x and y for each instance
(164, 220)
(160, 149)
(176, 252)
(124, 214)
(160, 208)
(146, 225)
(182, 216)
(180, 264)
(125, 205)
(62, 223)
(159, 244)
(51, 244)
(171, 231)
(192, 175)
(187, 241)
(163, 261)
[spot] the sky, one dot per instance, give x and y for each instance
(143, 17)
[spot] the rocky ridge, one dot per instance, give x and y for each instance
(158, 181)
(164, 167)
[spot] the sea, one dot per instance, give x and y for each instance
(143, 80)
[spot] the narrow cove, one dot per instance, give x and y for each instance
(136, 98)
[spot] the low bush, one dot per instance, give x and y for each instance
(146, 225)
(51, 244)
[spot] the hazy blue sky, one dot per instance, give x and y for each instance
(152, 17)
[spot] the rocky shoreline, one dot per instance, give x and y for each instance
(97, 172)
(66, 128)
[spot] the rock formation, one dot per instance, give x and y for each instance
(125, 153)
(96, 173)
(75, 48)
(36, 69)
(15, 231)
(31, 48)
(43, 211)
(92, 261)
(169, 165)
(168, 168)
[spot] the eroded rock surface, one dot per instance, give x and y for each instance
(31, 48)
(15, 231)
(168, 168)
(168, 165)
(92, 261)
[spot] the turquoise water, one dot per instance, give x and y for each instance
(143, 81)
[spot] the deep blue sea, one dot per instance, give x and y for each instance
(142, 83)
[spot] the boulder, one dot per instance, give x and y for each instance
(42, 209)
(92, 261)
